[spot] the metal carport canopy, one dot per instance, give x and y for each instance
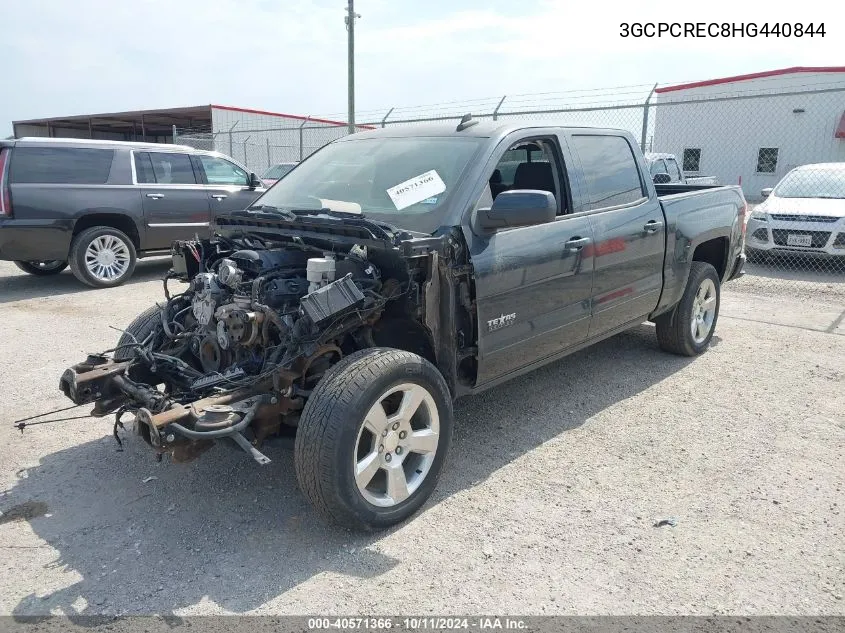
(135, 125)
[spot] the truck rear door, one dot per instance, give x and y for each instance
(628, 227)
(533, 283)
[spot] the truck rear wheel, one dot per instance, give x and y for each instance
(687, 329)
(42, 268)
(373, 437)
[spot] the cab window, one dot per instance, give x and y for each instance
(610, 170)
(530, 164)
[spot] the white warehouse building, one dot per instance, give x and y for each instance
(752, 129)
(256, 138)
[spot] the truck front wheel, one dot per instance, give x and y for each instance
(688, 328)
(373, 437)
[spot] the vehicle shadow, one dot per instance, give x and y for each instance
(19, 287)
(224, 530)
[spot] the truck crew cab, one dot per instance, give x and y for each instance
(396, 270)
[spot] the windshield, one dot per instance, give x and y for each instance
(277, 171)
(404, 181)
(812, 183)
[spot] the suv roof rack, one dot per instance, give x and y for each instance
(96, 141)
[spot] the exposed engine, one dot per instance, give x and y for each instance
(237, 353)
(251, 309)
(260, 317)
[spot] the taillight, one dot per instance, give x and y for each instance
(5, 190)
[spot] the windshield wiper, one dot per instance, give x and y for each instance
(288, 215)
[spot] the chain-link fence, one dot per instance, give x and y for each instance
(753, 139)
(260, 148)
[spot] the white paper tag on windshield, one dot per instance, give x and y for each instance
(416, 189)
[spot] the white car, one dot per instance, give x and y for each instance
(804, 213)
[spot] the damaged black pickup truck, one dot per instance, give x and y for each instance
(396, 270)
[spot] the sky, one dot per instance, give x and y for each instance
(65, 57)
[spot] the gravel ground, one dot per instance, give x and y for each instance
(548, 503)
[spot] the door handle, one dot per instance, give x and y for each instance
(576, 243)
(219, 196)
(155, 196)
(652, 226)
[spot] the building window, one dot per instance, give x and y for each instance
(767, 160)
(692, 159)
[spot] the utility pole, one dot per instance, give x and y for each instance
(350, 18)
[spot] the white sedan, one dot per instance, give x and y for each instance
(804, 213)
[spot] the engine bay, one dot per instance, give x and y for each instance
(257, 315)
(237, 351)
(252, 309)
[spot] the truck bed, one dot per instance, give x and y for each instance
(689, 209)
(680, 187)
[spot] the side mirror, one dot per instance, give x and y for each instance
(766, 192)
(254, 181)
(521, 207)
(661, 179)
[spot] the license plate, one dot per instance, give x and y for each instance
(799, 240)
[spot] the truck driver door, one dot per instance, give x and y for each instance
(533, 284)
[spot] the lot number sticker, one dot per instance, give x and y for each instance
(416, 189)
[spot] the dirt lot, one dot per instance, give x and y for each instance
(547, 505)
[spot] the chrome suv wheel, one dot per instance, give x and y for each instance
(102, 257)
(107, 258)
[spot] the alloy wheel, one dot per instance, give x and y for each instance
(107, 258)
(396, 445)
(703, 311)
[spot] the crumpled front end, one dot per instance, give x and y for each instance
(237, 353)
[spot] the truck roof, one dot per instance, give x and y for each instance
(483, 129)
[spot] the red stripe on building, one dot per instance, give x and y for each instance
(765, 73)
(286, 116)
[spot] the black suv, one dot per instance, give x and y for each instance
(98, 205)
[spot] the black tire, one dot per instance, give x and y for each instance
(80, 244)
(146, 323)
(328, 434)
(674, 329)
(42, 268)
